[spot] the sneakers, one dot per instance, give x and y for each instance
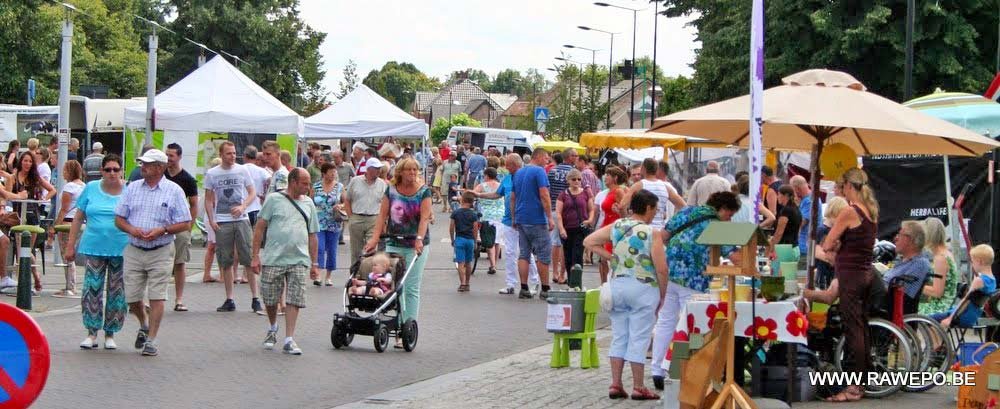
(140, 338)
(149, 349)
(507, 290)
(228, 306)
(271, 339)
(291, 348)
(543, 295)
(88, 343)
(255, 306)
(524, 294)
(109, 343)
(7, 282)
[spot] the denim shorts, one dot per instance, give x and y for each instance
(554, 234)
(534, 239)
(464, 249)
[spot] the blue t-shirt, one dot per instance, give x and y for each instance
(477, 163)
(805, 209)
(101, 237)
(989, 284)
(557, 181)
(505, 189)
(529, 207)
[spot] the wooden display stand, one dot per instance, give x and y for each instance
(716, 235)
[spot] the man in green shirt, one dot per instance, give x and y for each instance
(318, 159)
(290, 221)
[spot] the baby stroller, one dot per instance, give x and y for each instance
(375, 316)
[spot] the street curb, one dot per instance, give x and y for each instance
(432, 386)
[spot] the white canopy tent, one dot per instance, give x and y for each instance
(363, 114)
(217, 97)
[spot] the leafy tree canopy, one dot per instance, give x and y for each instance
(398, 83)
(865, 39)
(442, 125)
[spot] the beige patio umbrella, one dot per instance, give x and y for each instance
(817, 107)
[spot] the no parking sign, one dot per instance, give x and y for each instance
(24, 358)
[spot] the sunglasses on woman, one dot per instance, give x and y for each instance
(112, 170)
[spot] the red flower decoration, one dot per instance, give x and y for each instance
(678, 336)
(762, 329)
(716, 311)
(690, 325)
(797, 324)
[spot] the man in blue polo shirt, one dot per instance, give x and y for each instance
(509, 235)
(531, 218)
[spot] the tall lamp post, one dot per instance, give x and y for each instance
(611, 53)
(593, 72)
(635, 14)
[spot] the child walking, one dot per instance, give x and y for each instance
(464, 229)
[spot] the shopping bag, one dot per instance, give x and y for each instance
(980, 395)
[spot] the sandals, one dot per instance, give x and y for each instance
(463, 288)
(180, 307)
(65, 294)
(210, 280)
(847, 395)
(644, 394)
(616, 392)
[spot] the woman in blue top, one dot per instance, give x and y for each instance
(103, 244)
(639, 268)
(329, 202)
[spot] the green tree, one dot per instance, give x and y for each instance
(280, 51)
(507, 81)
(677, 95)
(577, 107)
(442, 125)
(105, 49)
(398, 83)
(865, 39)
(350, 81)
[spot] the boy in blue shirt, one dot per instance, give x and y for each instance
(464, 229)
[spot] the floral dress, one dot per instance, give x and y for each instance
(325, 201)
(943, 303)
(686, 258)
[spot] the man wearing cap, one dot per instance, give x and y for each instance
(362, 203)
(92, 163)
(151, 212)
(136, 173)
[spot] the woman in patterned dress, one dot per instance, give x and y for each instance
(329, 202)
(102, 244)
(492, 211)
(639, 267)
(406, 211)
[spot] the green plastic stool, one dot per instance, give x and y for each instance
(17, 230)
(589, 355)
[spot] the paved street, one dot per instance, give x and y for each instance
(476, 349)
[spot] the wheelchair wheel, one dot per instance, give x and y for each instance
(890, 352)
(933, 340)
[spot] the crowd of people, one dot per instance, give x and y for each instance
(545, 214)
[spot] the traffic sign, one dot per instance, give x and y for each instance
(542, 114)
(24, 358)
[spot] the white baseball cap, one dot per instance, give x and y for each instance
(373, 163)
(153, 155)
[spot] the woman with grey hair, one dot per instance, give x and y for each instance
(939, 294)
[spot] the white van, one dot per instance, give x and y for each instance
(505, 140)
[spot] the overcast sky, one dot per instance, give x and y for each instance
(441, 36)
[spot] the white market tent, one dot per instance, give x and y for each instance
(363, 114)
(217, 97)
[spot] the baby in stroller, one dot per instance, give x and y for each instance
(379, 281)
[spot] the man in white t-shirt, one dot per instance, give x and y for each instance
(260, 176)
(229, 191)
(669, 199)
(279, 174)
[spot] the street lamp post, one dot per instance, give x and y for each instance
(656, 20)
(631, 119)
(611, 53)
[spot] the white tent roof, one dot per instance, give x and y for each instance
(217, 97)
(363, 114)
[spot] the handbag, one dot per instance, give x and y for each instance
(9, 219)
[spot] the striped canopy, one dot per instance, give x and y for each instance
(973, 112)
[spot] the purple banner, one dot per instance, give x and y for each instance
(756, 100)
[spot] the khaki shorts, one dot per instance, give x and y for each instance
(233, 235)
(182, 247)
(147, 270)
(272, 284)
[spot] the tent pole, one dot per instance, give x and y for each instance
(948, 200)
(814, 211)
